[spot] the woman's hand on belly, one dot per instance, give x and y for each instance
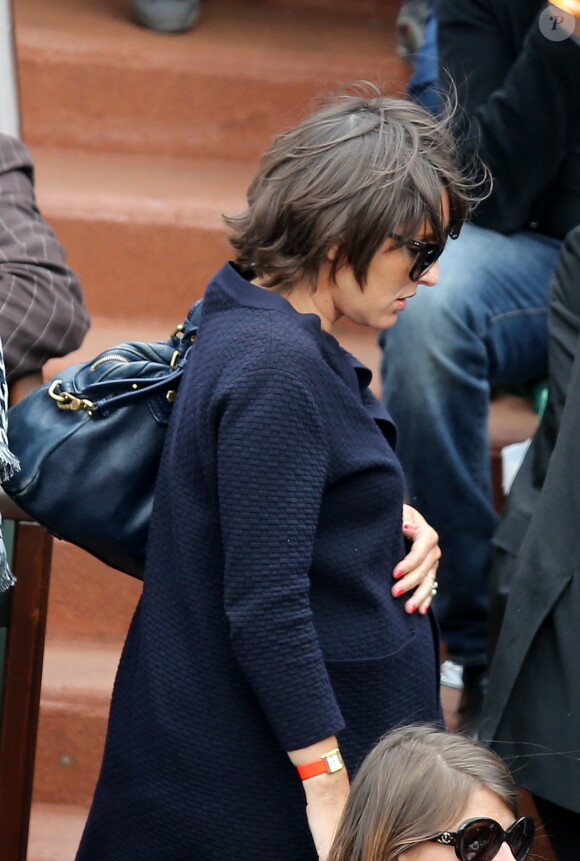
(418, 570)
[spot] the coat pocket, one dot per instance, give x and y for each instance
(377, 694)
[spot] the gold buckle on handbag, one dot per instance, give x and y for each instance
(66, 401)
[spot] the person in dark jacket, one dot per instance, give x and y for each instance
(271, 647)
(485, 325)
(532, 708)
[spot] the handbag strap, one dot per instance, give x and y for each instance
(137, 389)
(186, 333)
(100, 398)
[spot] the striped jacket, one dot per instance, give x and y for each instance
(42, 314)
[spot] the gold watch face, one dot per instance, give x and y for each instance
(334, 761)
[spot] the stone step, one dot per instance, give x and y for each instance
(55, 831)
(88, 600)
(144, 233)
(106, 332)
(76, 689)
(382, 9)
(92, 80)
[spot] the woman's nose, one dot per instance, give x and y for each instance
(431, 276)
(504, 853)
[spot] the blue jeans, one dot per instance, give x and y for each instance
(423, 85)
(483, 324)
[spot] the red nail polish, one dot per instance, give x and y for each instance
(408, 526)
(398, 591)
(398, 574)
(423, 610)
(411, 608)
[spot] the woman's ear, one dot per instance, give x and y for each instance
(331, 253)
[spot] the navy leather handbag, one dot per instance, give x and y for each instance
(89, 444)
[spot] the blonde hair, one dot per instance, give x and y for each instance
(413, 784)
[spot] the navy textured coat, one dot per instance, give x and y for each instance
(266, 622)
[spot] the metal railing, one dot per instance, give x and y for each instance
(9, 100)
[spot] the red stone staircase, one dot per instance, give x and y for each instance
(141, 142)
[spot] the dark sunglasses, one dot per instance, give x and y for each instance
(427, 253)
(480, 839)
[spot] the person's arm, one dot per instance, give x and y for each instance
(41, 307)
(519, 93)
(272, 465)
(326, 795)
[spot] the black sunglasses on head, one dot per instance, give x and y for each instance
(480, 839)
(427, 253)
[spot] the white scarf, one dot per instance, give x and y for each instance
(8, 466)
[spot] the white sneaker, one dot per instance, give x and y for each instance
(166, 16)
(452, 675)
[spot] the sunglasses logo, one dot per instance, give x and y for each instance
(446, 838)
(480, 839)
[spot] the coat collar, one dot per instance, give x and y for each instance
(356, 375)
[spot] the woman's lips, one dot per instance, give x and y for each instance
(402, 302)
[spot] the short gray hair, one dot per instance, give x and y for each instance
(354, 172)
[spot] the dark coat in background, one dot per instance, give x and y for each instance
(518, 92)
(532, 711)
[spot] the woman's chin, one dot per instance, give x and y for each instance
(388, 320)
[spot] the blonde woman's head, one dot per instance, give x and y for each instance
(417, 782)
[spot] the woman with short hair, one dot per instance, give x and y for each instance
(271, 648)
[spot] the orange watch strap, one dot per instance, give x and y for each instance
(328, 763)
(312, 769)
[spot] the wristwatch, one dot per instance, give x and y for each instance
(328, 763)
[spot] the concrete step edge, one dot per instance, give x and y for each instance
(91, 78)
(139, 189)
(79, 673)
(289, 43)
(55, 831)
(106, 332)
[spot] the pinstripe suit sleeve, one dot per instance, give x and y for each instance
(42, 314)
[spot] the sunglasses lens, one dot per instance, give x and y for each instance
(425, 259)
(481, 841)
(521, 837)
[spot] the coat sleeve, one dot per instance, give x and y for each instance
(518, 93)
(41, 306)
(272, 465)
